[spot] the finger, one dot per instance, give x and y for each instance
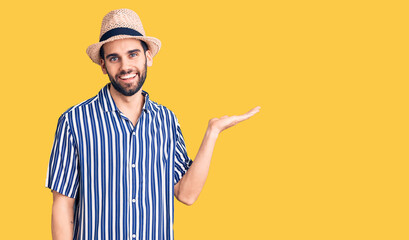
(248, 114)
(254, 110)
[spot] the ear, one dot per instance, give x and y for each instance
(149, 58)
(103, 67)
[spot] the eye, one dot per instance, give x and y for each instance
(113, 59)
(133, 54)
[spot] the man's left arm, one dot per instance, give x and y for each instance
(187, 190)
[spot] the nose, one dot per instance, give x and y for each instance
(125, 65)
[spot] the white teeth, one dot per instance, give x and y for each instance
(128, 76)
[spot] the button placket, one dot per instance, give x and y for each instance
(133, 160)
(133, 163)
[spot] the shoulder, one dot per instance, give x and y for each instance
(161, 109)
(163, 114)
(78, 107)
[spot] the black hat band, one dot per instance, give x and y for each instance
(119, 31)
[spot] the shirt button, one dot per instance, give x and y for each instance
(133, 235)
(134, 200)
(133, 165)
(134, 133)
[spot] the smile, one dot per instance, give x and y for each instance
(127, 76)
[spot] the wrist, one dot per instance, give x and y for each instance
(212, 132)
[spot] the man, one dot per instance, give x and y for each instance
(119, 159)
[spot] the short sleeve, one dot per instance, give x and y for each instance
(62, 172)
(182, 161)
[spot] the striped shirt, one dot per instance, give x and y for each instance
(121, 176)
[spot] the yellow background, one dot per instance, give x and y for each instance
(325, 158)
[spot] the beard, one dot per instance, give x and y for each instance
(128, 89)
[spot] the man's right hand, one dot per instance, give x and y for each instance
(62, 219)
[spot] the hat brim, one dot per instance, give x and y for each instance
(154, 45)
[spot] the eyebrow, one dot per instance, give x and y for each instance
(111, 55)
(116, 55)
(135, 50)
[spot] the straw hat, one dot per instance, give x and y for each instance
(120, 24)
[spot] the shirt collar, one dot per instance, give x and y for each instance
(108, 103)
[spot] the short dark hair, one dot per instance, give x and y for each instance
(101, 50)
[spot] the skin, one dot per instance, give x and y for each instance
(127, 56)
(62, 218)
(121, 57)
(187, 190)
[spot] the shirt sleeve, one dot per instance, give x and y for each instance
(182, 161)
(62, 172)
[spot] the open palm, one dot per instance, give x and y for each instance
(222, 123)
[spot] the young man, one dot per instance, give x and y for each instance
(119, 158)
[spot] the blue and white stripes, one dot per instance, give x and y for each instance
(121, 176)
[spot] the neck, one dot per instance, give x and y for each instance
(127, 103)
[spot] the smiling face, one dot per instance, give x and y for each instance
(125, 62)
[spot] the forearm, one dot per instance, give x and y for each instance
(187, 190)
(62, 220)
(193, 181)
